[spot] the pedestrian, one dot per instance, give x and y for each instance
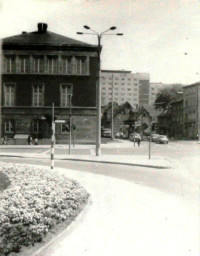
(134, 140)
(138, 141)
(36, 141)
(197, 137)
(29, 140)
(4, 140)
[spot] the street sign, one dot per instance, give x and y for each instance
(60, 121)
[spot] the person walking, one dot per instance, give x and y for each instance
(36, 141)
(138, 141)
(134, 140)
(29, 140)
(4, 141)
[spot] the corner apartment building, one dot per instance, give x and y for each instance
(40, 68)
(191, 110)
(125, 86)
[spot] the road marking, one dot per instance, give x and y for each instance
(45, 152)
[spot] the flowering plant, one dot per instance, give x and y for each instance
(34, 201)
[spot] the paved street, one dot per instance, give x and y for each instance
(162, 200)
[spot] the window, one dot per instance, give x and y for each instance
(9, 126)
(10, 64)
(38, 95)
(9, 95)
(24, 64)
(52, 65)
(81, 65)
(66, 65)
(38, 64)
(37, 126)
(65, 94)
(64, 128)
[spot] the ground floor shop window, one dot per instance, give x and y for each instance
(64, 128)
(37, 126)
(9, 126)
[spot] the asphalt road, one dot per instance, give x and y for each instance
(185, 156)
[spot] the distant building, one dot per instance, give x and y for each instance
(126, 87)
(154, 89)
(191, 110)
(176, 120)
(40, 68)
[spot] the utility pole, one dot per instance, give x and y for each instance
(112, 118)
(70, 122)
(98, 84)
(150, 138)
(52, 137)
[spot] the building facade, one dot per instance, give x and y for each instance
(41, 68)
(124, 86)
(191, 110)
(176, 121)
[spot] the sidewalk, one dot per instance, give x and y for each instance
(131, 159)
(128, 219)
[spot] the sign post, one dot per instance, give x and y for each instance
(150, 139)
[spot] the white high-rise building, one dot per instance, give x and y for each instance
(125, 86)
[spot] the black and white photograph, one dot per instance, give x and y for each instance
(99, 128)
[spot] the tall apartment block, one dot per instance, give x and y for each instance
(125, 86)
(155, 88)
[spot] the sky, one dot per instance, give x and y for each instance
(161, 37)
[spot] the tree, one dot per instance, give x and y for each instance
(167, 95)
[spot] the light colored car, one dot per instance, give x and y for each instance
(106, 132)
(154, 137)
(119, 135)
(162, 139)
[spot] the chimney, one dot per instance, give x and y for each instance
(42, 28)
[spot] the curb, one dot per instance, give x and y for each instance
(68, 229)
(95, 161)
(118, 163)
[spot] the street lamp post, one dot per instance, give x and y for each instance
(112, 110)
(98, 83)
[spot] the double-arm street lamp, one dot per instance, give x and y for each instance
(98, 85)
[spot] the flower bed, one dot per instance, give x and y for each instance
(35, 202)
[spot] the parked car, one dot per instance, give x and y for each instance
(134, 136)
(119, 135)
(154, 137)
(106, 132)
(162, 139)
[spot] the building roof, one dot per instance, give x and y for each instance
(152, 111)
(115, 71)
(42, 38)
(190, 85)
(178, 98)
